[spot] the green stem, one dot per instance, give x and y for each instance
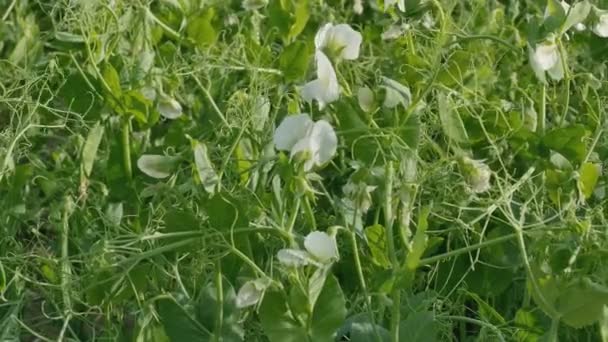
(542, 113)
(368, 302)
(220, 302)
(562, 53)
(535, 286)
(126, 148)
(66, 269)
(389, 223)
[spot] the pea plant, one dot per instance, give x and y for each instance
(303, 170)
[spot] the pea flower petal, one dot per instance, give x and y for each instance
(250, 293)
(293, 257)
(325, 88)
(340, 39)
(321, 246)
(291, 130)
(546, 55)
(169, 108)
(601, 27)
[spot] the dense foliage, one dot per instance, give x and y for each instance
(303, 170)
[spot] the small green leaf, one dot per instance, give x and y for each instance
(200, 30)
(419, 327)
(376, 241)
(209, 306)
(294, 61)
(452, 124)
(301, 14)
(419, 243)
(157, 166)
(179, 323)
(111, 79)
(91, 145)
(206, 173)
(568, 141)
(589, 175)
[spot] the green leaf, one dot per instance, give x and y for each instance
(157, 166)
(329, 312)
(452, 124)
(582, 303)
(294, 61)
(577, 14)
(91, 145)
(556, 16)
(277, 321)
(301, 14)
(528, 331)
(589, 175)
(568, 141)
(179, 323)
(111, 79)
(376, 241)
(316, 285)
(487, 311)
(206, 173)
(419, 243)
(200, 29)
(419, 327)
(209, 306)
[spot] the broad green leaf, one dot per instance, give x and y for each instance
(301, 15)
(200, 29)
(179, 323)
(577, 14)
(157, 166)
(376, 241)
(568, 141)
(582, 304)
(210, 306)
(589, 175)
(294, 60)
(419, 327)
(277, 320)
(329, 312)
(452, 124)
(419, 242)
(91, 145)
(206, 173)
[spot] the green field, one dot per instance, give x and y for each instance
(303, 170)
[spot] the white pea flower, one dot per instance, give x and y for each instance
(254, 4)
(360, 194)
(340, 40)
(546, 55)
(477, 174)
(601, 26)
(321, 249)
(251, 292)
(325, 88)
(400, 4)
(321, 246)
(169, 107)
(358, 6)
(546, 58)
(298, 133)
(566, 6)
